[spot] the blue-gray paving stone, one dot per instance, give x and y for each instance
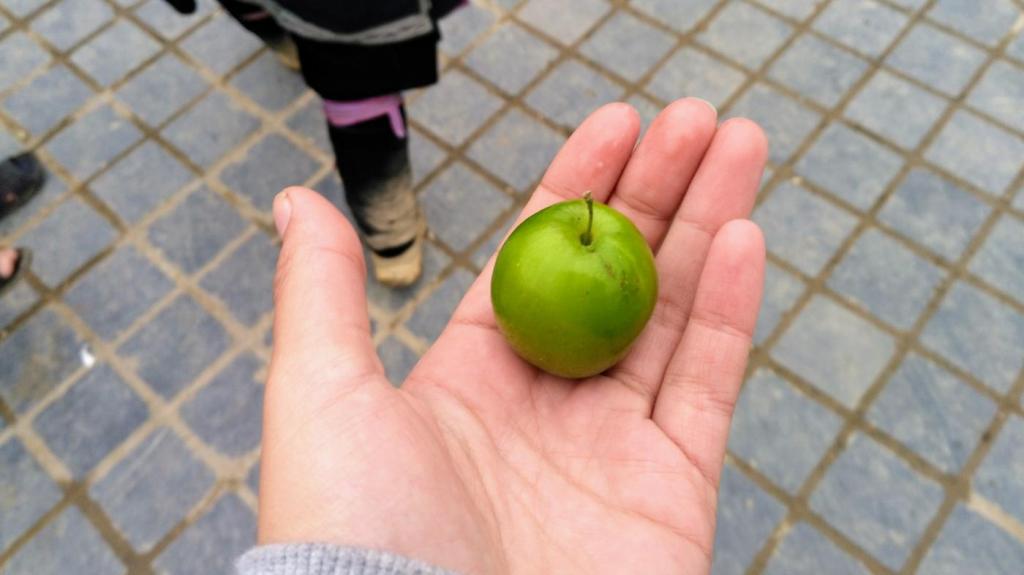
(627, 46)
(877, 500)
(21, 8)
(463, 26)
(979, 334)
(803, 229)
(152, 489)
(16, 301)
(849, 165)
(571, 92)
(885, 278)
(244, 280)
(1016, 48)
(115, 52)
(196, 230)
(1000, 94)
(895, 109)
(455, 107)
(269, 83)
(432, 315)
(781, 290)
(1000, 478)
(162, 88)
(683, 15)
(796, 9)
(691, 72)
(221, 44)
(135, 281)
(398, 359)
(19, 56)
(71, 235)
(745, 34)
(818, 70)
(227, 414)
(936, 58)
(747, 515)
(511, 57)
(47, 99)
(490, 247)
(37, 357)
(166, 21)
(67, 23)
(9, 146)
(212, 543)
(92, 142)
(987, 22)
(834, 350)
(252, 479)
(93, 417)
(935, 213)
(1000, 261)
(646, 108)
(864, 25)
(330, 187)
(780, 432)
(909, 4)
(785, 121)
(210, 129)
(932, 412)
(141, 181)
(424, 155)
(271, 165)
(980, 152)
(68, 544)
(175, 346)
(455, 193)
(28, 491)
(309, 123)
(805, 551)
(517, 149)
(564, 20)
(970, 544)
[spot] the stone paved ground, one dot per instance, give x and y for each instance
(881, 429)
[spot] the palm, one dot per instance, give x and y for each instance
(487, 464)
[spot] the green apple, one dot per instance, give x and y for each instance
(573, 286)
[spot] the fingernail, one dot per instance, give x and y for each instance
(282, 212)
(710, 105)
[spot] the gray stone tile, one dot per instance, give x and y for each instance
(909, 4)
(979, 334)
(114, 293)
(244, 281)
(818, 70)
(1000, 478)
(517, 149)
(271, 165)
(211, 128)
(252, 479)
(70, 236)
(455, 194)
(9, 146)
(627, 46)
(152, 489)
(37, 357)
(683, 15)
(796, 9)
(172, 349)
(864, 25)
(746, 517)
(490, 247)
(1000, 261)
(92, 142)
(459, 29)
(211, 544)
(424, 155)
(987, 22)
(167, 22)
(849, 165)
(647, 109)
(141, 181)
(970, 544)
(68, 544)
(834, 350)
(163, 88)
(895, 110)
(22, 8)
(221, 44)
(455, 107)
(330, 187)
(801, 228)
(779, 431)
(933, 413)
(93, 417)
(269, 83)
(1000, 93)
(877, 500)
(114, 52)
(511, 58)
(981, 153)
(227, 414)
(781, 290)
(936, 58)
(805, 551)
(745, 34)
(571, 92)
(196, 230)
(309, 123)
(786, 122)
(398, 359)
(564, 20)
(935, 213)
(66, 23)
(28, 491)
(47, 99)
(19, 57)
(432, 315)
(16, 301)
(691, 72)
(1016, 48)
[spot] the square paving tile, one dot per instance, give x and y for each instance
(309, 123)
(786, 122)
(490, 247)
(71, 235)
(210, 129)
(141, 181)
(627, 46)
(571, 92)
(432, 316)
(460, 28)
(68, 544)
(114, 52)
(227, 414)
(22, 8)
(895, 109)
(781, 290)
(92, 142)
(1016, 48)
(683, 15)
(564, 20)
(1000, 261)
(271, 165)
(37, 357)
(166, 21)
(511, 57)
(987, 22)
(970, 544)
(818, 70)
(64, 24)
(936, 58)
(28, 491)
(16, 301)
(517, 149)
(424, 155)
(746, 517)
(19, 56)
(221, 44)
(269, 83)
(1001, 475)
(849, 165)
(745, 34)
(691, 72)
(211, 544)
(47, 99)
(454, 193)
(196, 230)
(455, 107)
(248, 300)
(864, 25)
(796, 9)
(160, 90)
(805, 551)
(1000, 93)
(980, 152)
(398, 359)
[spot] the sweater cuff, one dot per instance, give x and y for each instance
(325, 559)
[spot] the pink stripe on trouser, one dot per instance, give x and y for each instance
(349, 113)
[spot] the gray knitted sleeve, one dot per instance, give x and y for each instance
(324, 559)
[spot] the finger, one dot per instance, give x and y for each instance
(660, 170)
(723, 189)
(696, 400)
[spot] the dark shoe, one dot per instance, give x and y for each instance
(21, 178)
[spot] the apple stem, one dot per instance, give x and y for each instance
(587, 236)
